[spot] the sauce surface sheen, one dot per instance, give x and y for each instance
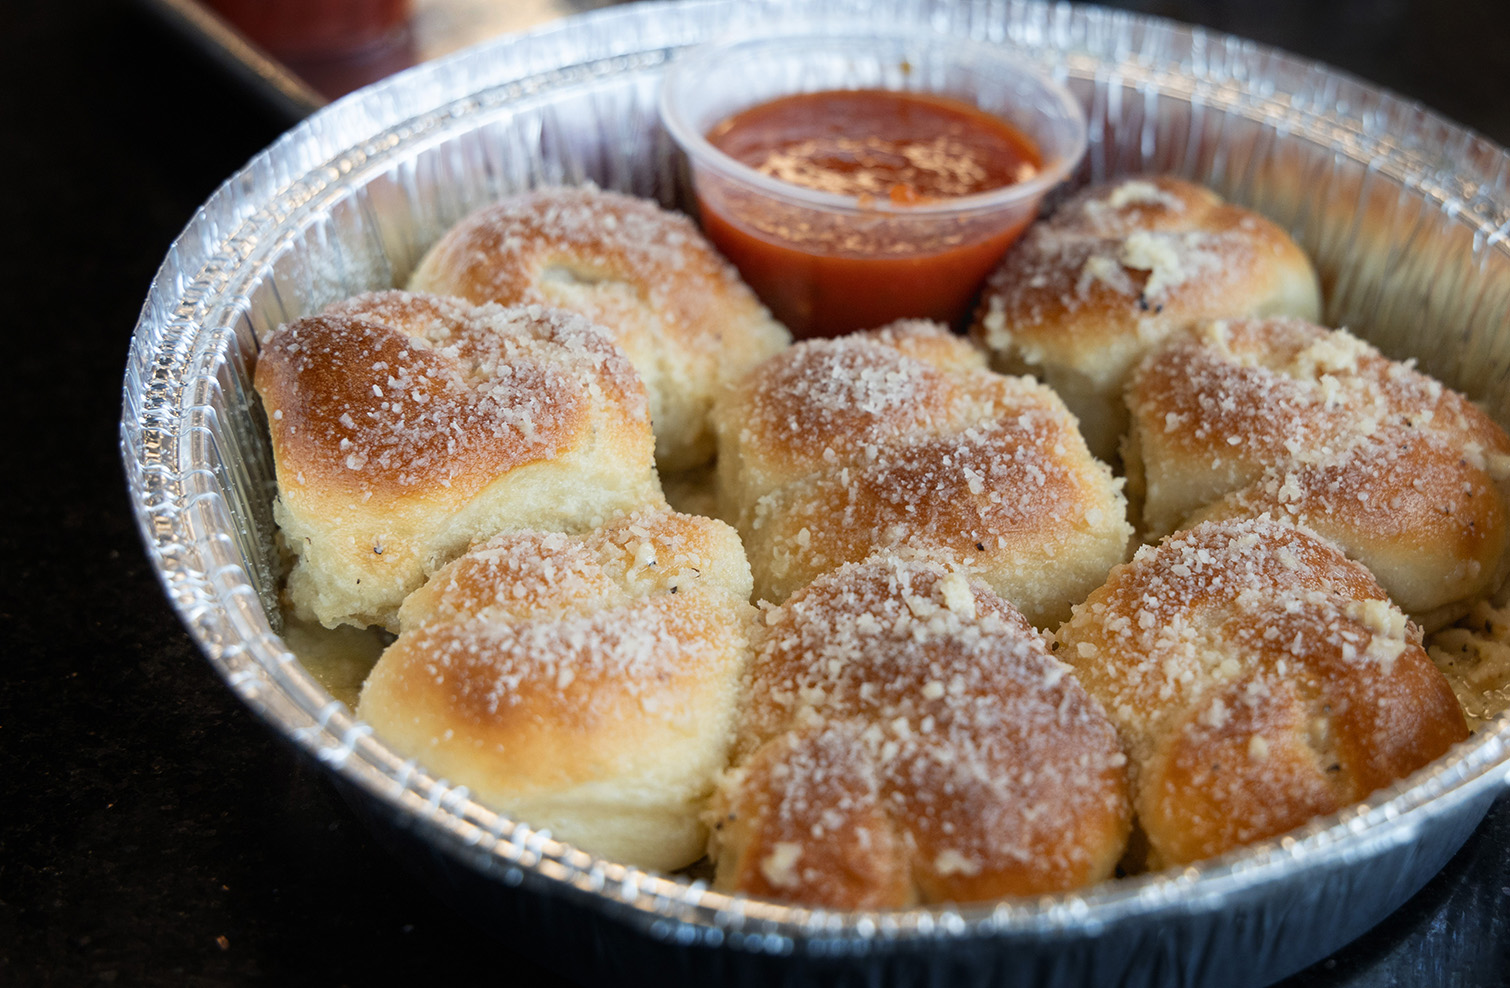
(873, 144)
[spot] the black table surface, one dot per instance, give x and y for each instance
(152, 831)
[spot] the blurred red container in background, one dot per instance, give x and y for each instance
(310, 30)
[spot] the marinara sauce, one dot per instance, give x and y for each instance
(826, 273)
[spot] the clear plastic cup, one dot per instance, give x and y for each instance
(827, 264)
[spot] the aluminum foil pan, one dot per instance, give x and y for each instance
(1406, 215)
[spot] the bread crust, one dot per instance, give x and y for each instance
(404, 427)
(585, 683)
(1245, 417)
(1118, 268)
(678, 309)
(900, 438)
(909, 739)
(1257, 678)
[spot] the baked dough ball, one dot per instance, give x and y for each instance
(1258, 678)
(585, 684)
(405, 427)
(677, 308)
(1427, 523)
(1315, 426)
(1120, 267)
(909, 739)
(900, 437)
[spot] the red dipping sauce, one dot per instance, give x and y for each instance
(892, 252)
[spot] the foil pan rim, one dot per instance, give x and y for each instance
(191, 308)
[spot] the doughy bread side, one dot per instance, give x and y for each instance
(1257, 678)
(1118, 268)
(405, 427)
(584, 684)
(688, 323)
(909, 738)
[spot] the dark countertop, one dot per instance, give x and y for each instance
(151, 830)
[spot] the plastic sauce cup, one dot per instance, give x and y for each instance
(827, 264)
